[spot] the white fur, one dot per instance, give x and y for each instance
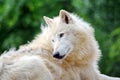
(34, 61)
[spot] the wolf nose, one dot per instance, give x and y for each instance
(57, 55)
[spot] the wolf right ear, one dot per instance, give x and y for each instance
(65, 17)
(48, 21)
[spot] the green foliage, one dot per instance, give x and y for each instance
(20, 21)
(114, 54)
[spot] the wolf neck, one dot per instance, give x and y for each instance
(74, 59)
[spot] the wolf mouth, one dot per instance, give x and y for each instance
(68, 50)
(58, 56)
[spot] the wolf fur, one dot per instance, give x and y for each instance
(65, 50)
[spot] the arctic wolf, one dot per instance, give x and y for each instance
(65, 50)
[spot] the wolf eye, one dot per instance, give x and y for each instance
(61, 35)
(53, 40)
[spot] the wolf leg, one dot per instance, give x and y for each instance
(104, 77)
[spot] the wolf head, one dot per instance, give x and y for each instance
(71, 35)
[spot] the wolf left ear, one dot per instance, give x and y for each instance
(65, 16)
(48, 21)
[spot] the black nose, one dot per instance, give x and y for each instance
(57, 55)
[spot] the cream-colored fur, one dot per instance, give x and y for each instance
(35, 61)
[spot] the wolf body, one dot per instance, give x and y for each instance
(65, 50)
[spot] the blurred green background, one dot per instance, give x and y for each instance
(20, 21)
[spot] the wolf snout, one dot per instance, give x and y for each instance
(58, 56)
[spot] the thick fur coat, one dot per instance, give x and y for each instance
(65, 50)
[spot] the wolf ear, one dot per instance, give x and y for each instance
(65, 16)
(48, 21)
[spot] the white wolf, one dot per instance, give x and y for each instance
(66, 50)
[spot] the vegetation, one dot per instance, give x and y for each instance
(20, 21)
